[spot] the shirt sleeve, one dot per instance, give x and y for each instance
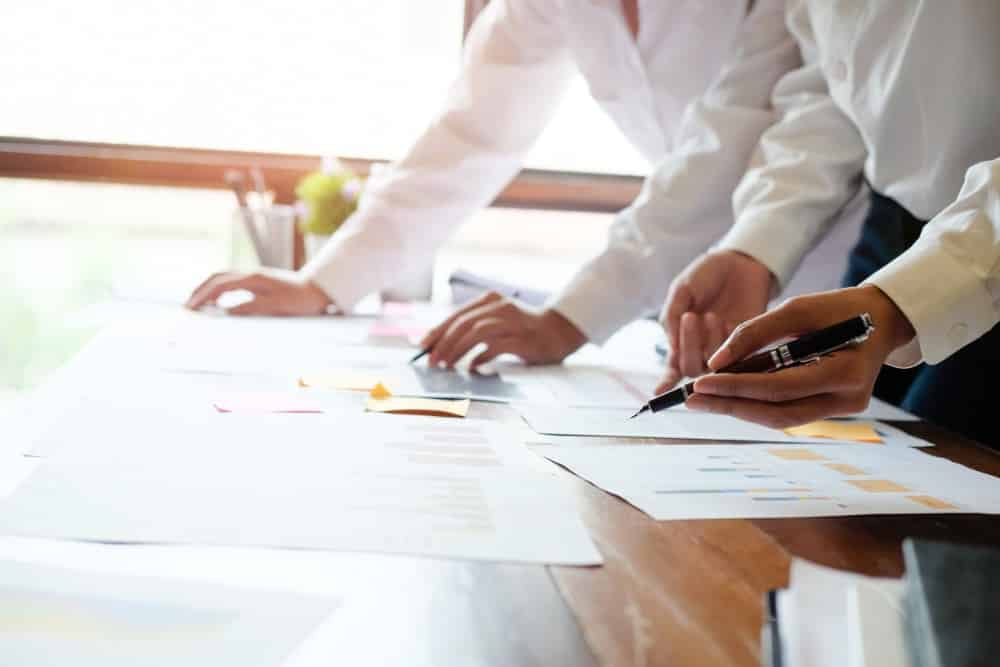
(948, 283)
(515, 71)
(684, 205)
(805, 169)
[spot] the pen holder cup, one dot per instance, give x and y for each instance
(271, 241)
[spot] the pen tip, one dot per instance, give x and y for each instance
(639, 412)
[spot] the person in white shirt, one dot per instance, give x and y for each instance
(646, 63)
(907, 97)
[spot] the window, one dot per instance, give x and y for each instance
(357, 78)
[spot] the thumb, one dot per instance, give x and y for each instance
(789, 319)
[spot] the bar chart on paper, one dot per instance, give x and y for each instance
(765, 481)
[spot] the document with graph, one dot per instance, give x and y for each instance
(764, 481)
(379, 483)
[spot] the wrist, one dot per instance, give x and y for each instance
(567, 336)
(316, 298)
(887, 315)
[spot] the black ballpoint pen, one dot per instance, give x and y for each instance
(419, 355)
(793, 353)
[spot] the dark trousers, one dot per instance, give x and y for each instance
(954, 393)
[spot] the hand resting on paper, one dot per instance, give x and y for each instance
(275, 292)
(505, 327)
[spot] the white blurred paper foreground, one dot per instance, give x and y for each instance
(833, 618)
(379, 483)
(56, 616)
(774, 481)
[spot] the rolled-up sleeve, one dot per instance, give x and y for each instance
(684, 205)
(806, 168)
(515, 70)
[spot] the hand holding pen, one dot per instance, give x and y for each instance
(839, 384)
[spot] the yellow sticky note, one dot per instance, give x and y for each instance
(837, 430)
(379, 392)
(933, 503)
(797, 454)
(877, 485)
(431, 407)
(343, 380)
(846, 469)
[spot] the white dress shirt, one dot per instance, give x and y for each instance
(519, 58)
(906, 95)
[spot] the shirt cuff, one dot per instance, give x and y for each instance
(781, 258)
(346, 278)
(947, 304)
(593, 308)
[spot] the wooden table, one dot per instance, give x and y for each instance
(684, 593)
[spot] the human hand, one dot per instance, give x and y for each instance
(838, 384)
(273, 294)
(706, 302)
(505, 326)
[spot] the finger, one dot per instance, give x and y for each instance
(715, 335)
(258, 306)
(441, 348)
(832, 374)
(432, 336)
(775, 415)
(507, 345)
(214, 288)
(679, 300)
(482, 331)
(194, 301)
(789, 319)
(690, 358)
(669, 381)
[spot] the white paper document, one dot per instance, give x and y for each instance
(55, 616)
(678, 424)
(875, 624)
(817, 616)
(380, 483)
(582, 384)
(765, 481)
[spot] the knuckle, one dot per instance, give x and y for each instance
(793, 305)
(857, 402)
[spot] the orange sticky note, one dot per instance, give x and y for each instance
(797, 454)
(344, 380)
(933, 503)
(430, 407)
(846, 469)
(877, 485)
(379, 392)
(835, 429)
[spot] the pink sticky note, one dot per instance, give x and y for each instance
(269, 402)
